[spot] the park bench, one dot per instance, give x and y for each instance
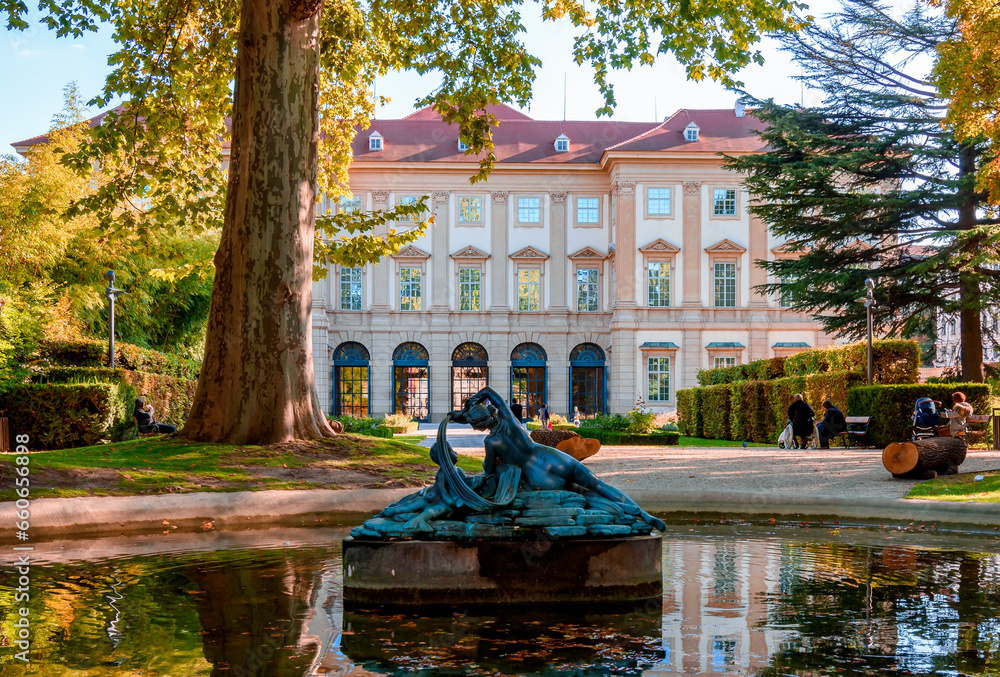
(974, 435)
(857, 429)
(139, 432)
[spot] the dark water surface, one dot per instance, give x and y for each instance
(738, 600)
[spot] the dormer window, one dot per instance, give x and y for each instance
(562, 144)
(691, 132)
(462, 146)
(375, 141)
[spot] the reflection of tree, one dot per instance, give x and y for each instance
(885, 611)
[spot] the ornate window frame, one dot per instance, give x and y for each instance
(666, 349)
(726, 251)
(472, 258)
(659, 251)
(724, 349)
(339, 283)
(530, 258)
(589, 258)
(411, 257)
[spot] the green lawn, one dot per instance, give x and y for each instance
(699, 442)
(961, 488)
(169, 465)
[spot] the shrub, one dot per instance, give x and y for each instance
(715, 402)
(171, 397)
(90, 353)
(613, 422)
(894, 361)
(891, 406)
(689, 412)
(363, 425)
(619, 438)
(758, 370)
(641, 422)
(64, 415)
(392, 420)
(535, 425)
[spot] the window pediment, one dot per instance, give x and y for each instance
(411, 253)
(529, 254)
(726, 246)
(659, 246)
(470, 254)
(589, 253)
(785, 250)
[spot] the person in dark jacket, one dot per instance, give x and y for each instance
(147, 424)
(802, 417)
(543, 416)
(517, 410)
(832, 424)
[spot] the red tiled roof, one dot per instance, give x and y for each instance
(43, 138)
(423, 137)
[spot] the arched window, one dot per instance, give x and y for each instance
(469, 372)
(527, 377)
(410, 377)
(351, 380)
(587, 380)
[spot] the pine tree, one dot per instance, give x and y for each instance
(869, 184)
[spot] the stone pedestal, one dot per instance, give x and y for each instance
(503, 572)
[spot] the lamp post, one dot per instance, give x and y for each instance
(112, 295)
(869, 300)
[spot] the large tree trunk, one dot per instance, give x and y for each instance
(257, 382)
(926, 458)
(970, 315)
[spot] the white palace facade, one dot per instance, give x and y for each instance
(601, 261)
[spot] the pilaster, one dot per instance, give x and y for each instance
(320, 323)
(691, 246)
(381, 271)
(625, 247)
(557, 248)
(758, 251)
(380, 371)
(440, 249)
(499, 266)
(692, 350)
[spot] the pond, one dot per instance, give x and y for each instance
(739, 599)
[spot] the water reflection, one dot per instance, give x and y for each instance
(736, 601)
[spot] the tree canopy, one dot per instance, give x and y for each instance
(869, 184)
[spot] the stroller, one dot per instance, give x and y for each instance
(925, 418)
(787, 438)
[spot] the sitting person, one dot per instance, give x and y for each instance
(801, 416)
(147, 424)
(832, 424)
(958, 416)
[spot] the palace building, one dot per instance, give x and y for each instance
(600, 263)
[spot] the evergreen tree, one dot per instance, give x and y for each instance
(869, 184)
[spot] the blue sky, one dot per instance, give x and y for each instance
(35, 66)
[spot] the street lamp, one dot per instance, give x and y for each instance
(112, 295)
(869, 300)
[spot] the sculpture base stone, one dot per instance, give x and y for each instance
(495, 572)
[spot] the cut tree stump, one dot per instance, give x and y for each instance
(567, 442)
(924, 459)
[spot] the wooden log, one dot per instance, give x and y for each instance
(924, 459)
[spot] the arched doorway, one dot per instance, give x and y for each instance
(351, 380)
(469, 372)
(528, 384)
(410, 378)
(587, 380)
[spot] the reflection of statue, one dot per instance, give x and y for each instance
(524, 484)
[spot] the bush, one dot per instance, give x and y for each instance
(618, 438)
(535, 425)
(171, 397)
(689, 412)
(641, 422)
(64, 415)
(90, 353)
(363, 426)
(758, 370)
(894, 361)
(891, 406)
(715, 402)
(612, 422)
(751, 417)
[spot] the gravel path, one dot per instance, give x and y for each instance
(835, 473)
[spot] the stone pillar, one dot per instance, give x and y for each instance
(499, 265)
(557, 251)
(624, 377)
(758, 250)
(691, 246)
(381, 271)
(440, 245)
(439, 346)
(625, 249)
(380, 371)
(692, 350)
(321, 345)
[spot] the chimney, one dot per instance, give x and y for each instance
(741, 108)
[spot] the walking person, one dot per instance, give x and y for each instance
(802, 417)
(543, 417)
(832, 424)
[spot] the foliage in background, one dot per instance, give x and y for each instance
(63, 415)
(869, 184)
(91, 353)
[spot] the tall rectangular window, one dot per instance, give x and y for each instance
(658, 201)
(529, 210)
(725, 285)
(658, 275)
(658, 371)
(350, 288)
(587, 286)
(407, 201)
(786, 298)
(350, 205)
(724, 202)
(722, 362)
(588, 210)
(470, 287)
(529, 290)
(409, 288)
(470, 210)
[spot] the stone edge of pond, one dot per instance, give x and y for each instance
(101, 516)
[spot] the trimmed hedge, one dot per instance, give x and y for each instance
(171, 397)
(891, 406)
(715, 411)
(758, 370)
(689, 421)
(410, 427)
(91, 353)
(894, 361)
(615, 438)
(535, 425)
(65, 415)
